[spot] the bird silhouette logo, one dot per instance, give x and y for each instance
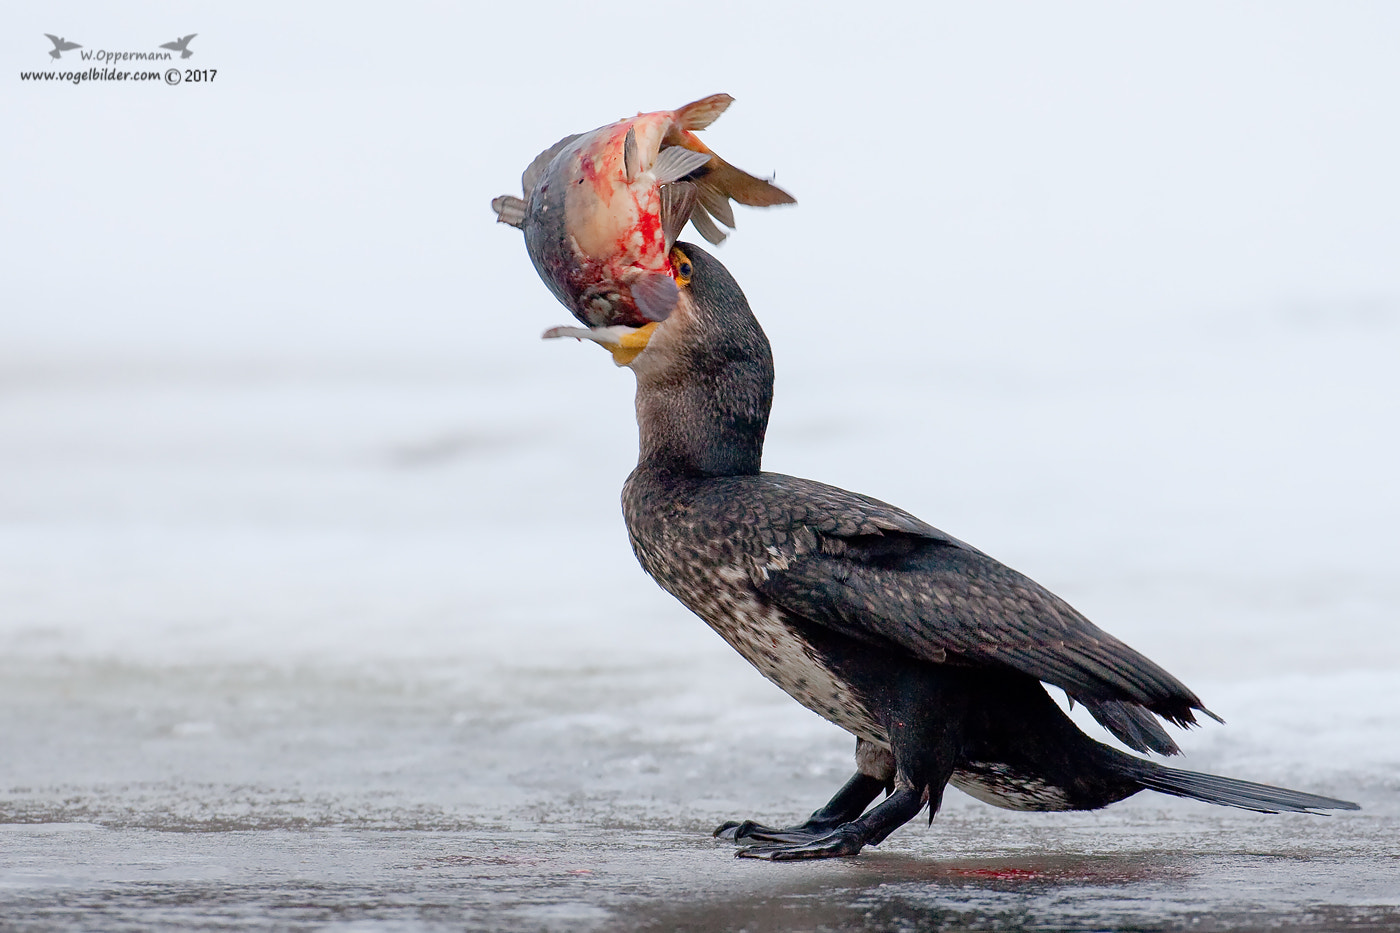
(60, 46)
(179, 45)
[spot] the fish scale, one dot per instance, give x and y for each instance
(602, 209)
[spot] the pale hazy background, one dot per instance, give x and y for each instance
(1110, 291)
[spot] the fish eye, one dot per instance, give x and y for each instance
(684, 269)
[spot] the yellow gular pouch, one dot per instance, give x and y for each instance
(631, 344)
(626, 343)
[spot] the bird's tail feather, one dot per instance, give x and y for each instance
(1133, 725)
(1229, 792)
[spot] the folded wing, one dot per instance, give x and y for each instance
(878, 574)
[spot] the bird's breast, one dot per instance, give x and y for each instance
(718, 588)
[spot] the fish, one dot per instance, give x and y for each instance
(601, 210)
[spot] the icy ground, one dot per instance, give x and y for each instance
(360, 644)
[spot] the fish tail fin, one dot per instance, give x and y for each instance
(717, 182)
(1229, 792)
(739, 185)
(705, 226)
(699, 114)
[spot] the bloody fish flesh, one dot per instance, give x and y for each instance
(602, 209)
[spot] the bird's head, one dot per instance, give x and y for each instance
(704, 374)
(711, 322)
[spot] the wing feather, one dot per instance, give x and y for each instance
(878, 574)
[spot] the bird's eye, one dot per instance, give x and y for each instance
(682, 265)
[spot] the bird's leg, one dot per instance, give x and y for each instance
(924, 714)
(849, 838)
(848, 804)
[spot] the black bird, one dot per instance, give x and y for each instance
(931, 653)
(60, 46)
(179, 45)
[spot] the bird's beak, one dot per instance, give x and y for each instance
(625, 343)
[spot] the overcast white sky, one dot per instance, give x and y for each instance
(1013, 163)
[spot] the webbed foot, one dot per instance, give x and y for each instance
(749, 831)
(848, 804)
(817, 838)
(845, 841)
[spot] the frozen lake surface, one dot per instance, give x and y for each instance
(362, 646)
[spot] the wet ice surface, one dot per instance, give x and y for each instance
(226, 796)
(364, 646)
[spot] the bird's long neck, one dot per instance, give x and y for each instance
(705, 383)
(707, 426)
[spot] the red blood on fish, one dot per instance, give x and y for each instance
(603, 247)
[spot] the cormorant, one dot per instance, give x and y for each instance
(931, 653)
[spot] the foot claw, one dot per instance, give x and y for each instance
(726, 830)
(834, 845)
(734, 830)
(749, 831)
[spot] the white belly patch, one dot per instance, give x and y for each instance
(1001, 787)
(758, 632)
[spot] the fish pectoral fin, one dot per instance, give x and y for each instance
(700, 220)
(676, 162)
(655, 294)
(677, 199)
(630, 160)
(509, 210)
(699, 114)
